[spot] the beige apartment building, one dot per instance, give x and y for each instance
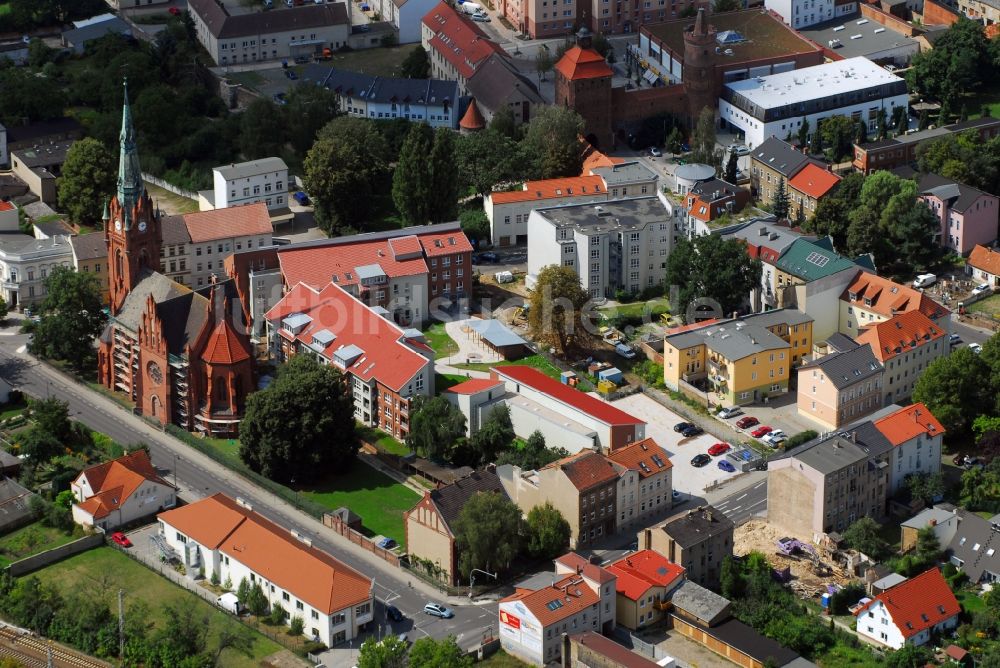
(840, 387)
(698, 539)
(645, 482)
(905, 345)
(871, 299)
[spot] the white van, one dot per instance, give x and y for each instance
(229, 603)
(504, 277)
(924, 280)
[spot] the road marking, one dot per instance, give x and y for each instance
(741, 497)
(735, 508)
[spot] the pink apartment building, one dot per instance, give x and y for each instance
(968, 216)
(842, 386)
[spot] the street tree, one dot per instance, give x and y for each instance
(411, 180)
(557, 305)
(417, 65)
(551, 143)
(302, 426)
(485, 159)
(703, 140)
(445, 653)
(548, 532)
(71, 316)
(475, 224)
(87, 181)
(390, 652)
(443, 197)
(713, 268)
(543, 62)
(435, 427)
(495, 435)
(953, 390)
(489, 533)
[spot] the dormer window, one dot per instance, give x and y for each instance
(868, 301)
(853, 296)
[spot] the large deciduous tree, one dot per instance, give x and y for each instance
(486, 159)
(489, 533)
(309, 108)
(957, 63)
(548, 532)
(838, 135)
(71, 317)
(390, 652)
(302, 426)
(416, 65)
(956, 389)
(557, 307)
(411, 180)
(864, 536)
(711, 267)
(703, 140)
(435, 427)
(832, 217)
(552, 143)
(87, 180)
(495, 435)
(262, 129)
(430, 653)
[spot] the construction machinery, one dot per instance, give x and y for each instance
(790, 547)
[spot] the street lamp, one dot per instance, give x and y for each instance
(472, 578)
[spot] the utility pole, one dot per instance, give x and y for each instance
(121, 622)
(48, 652)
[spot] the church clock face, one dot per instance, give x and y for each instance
(142, 225)
(118, 225)
(155, 375)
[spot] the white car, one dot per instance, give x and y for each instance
(776, 437)
(924, 280)
(976, 348)
(980, 289)
(731, 411)
(624, 351)
(481, 18)
(739, 149)
(655, 152)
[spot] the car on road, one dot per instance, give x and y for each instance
(729, 412)
(980, 289)
(675, 495)
(700, 460)
(486, 258)
(291, 74)
(726, 466)
(739, 149)
(121, 539)
(719, 449)
(655, 152)
(954, 339)
(924, 280)
(393, 614)
(747, 422)
(481, 18)
(692, 430)
(761, 431)
(386, 543)
(438, 610)
(976, 348)
(681, 426)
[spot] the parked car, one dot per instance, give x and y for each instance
(726, 466)
(386, 543)
(730, 412)
(959, 460)
(174, 11)
(655, 152)
(438, 610)
(747, 422)
(681, 426)
(291, 74)
(719, 449)
(760, 431)
(693, 430)
(624, 351)
(393, 614)
(775, 437)
(675, 495)
(975, 347)
(980, 289)
(301, 198)
(481, 18)
(700, 460)
(973, 463)
(739, 149)
(486, 258)
(121, 539)
(954, 339)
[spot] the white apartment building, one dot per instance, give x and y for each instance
(620, 245)
(775, 105)
(905, 344)
(803, 13)
(645, 482)
(404, 15)
(264, 180)
(225, 537)
(25, 262)
(916, 436)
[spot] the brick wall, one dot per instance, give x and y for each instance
(936, 14)
(875, 14)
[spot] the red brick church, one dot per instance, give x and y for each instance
(177, 353)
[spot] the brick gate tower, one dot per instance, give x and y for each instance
(699, 66)
(583, 84)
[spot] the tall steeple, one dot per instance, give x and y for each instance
(130, 187)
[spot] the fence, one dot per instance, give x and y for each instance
(337, 524)
(34, 562)
(160, 183)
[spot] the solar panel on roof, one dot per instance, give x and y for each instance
(554, 605)
(817, 259)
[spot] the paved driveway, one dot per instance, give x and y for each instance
(660, 423)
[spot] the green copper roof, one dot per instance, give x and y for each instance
(811, 261)
(130, 187)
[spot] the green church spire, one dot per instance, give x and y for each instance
(130, 187)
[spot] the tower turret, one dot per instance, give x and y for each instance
(699, 66)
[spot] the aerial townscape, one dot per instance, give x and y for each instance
(448, 333)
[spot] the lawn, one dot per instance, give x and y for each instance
(102, 571)
(228, 448)
(384, 62)
(440, 341)
(381, 440)
(377, 498)
(989, 96)
(442, 381)
(248, 79)
(990, 306)
(10, 410)
(171, 203)
(638, 309)
(502, 660)
(30, 540)
(971, 603)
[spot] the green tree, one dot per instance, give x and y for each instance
(924, 119)
(4, 309)
(543, 62)
(909, 656)
(720, 6)
(703, 140)
(713, 268)
(955, 65)
(534, 455)
(779, 205)
(495, 435)
(443, 198)
(804, 132)
(390, 652)
(816, 141)
(674, 140)
(838, 134)
(38, 446)
(882, 124)
(302, 426)
(86, 181)
(311, 107)
(445, 653)
(262, 129)
(505, 124)
(953, 390)
(411, 180)
(732, 168)
(552, 143)
(928, 545)
(557, 302)
(345, 170)
(548, 532)
(485, 159)
(475, 224)
(488, 533)
(416, 65)
(864, 536)
(861, 132)
(944, 113)
(902, 121)
(926, 487)
(435, 427)
(71, 316)
(256, 601)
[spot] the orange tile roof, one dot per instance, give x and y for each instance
(985, 259)
(642, 456)
(586, 469)
(694, 325)
(115, 481)
(919, 603)
(638, 573)
(813, 181)
(445, 243)
(571, 186)
(889, 298)
(900, 334)
(220, 523)
(459, 41)
(6, 206)
(472, 119)
(317, 265)
(575, 562)
(562, 600)
(225, 346)
(908, 423)
(233, 221)
(474, 386)
(592, 158)
(579, 63)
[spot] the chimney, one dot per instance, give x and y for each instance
(708, 513)
(933, 522)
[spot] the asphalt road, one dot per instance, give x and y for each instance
(740, 505)
(968, 334)
(199, 476)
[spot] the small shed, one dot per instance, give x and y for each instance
(614, 375)
(348, 517)
(499, 339)
(569, 378)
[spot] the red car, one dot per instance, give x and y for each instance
(761, 431)
(718, 449)
(747, 421)
(121, 539)
(174, 11)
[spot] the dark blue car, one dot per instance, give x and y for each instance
(726, 466)
(301, 198)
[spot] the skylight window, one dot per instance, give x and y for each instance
(817, 259)
(554, 605)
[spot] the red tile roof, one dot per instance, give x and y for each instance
(889, 298)
(317, 266)
(115, 481)
(579, 63)
(900, 334)
(813, 181)
(919, 603)
(445, 243)
(233, 221)
(6, 206)
(564, 599)
(586, 469)
(580, 401)
(571, 186)
(384, 357)
(985, 259)
(225, 346)
(638, 573)
(472, 119)
(640, 457)
(908, 423)
(592, 158)
(459, 41)
(693, 326)
(575, 562)
(474, 386)
(315, 577)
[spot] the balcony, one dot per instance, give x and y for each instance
(718, 368)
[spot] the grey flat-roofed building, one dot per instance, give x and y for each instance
(699, 603)
(624, 173)
(877, 42)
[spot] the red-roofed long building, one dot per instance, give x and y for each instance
(386, 365)
(228, 539)
(402, 271)
(908, 613)
(119, 492)
(456, 45)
